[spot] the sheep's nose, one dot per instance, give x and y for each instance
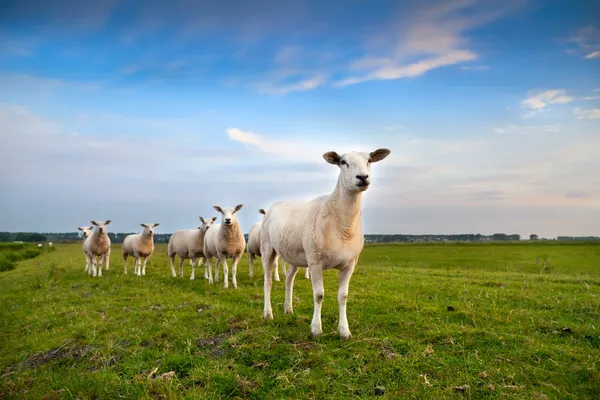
(228, 220)
(362, 177)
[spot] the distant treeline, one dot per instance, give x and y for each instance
(164, 237)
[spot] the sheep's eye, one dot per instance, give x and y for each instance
(343, 162)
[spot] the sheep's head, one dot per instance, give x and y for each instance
(101, 225)
(228, 214)
(206, 223)
(86, 231)
(355, 167)
(149, 229)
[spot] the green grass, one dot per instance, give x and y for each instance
(426, 320)
(11, 253)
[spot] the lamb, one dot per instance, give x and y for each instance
(140, 246)
(254, 248)
(86, 231)
(225, 240)
(189, 243)
(322, 233)
(97, 245)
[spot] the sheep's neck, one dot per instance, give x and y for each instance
(146, 239)
(345, 206)
(229, 231)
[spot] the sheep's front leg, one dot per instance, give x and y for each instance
(236, 260)
(307, 273)
(208, 266)
(318, 296)
(223, 260)
(99, 263)
(144, 266)
(289, 288)
(345, 275)
(283, 268)
(89, 263)
(181, 266)
(193, 264)
(206, 269)
(107, 259)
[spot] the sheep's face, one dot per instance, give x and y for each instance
(355, 167)
(101, 225)
(149, 229)
(206, 223)
(86, 231)
(228, 214)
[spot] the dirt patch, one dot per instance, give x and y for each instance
(59, 353)
(214, 344)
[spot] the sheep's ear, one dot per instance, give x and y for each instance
(260, 210)
(378, 155)
(238, 207)
(218, 209)
(79, 228)
(94, 223)
(107, 222)
(214, 219)
(144, 225)
(155, 224)
(201, 219)
(332, 157)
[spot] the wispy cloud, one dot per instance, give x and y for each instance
(282, 88)
(538, 102)
(475, 67)
(436, 35)
(528, 129)
(592, 113)
(595, 54)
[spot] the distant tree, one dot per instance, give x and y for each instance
(533, 236)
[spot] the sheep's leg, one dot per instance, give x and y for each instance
(283, 268)
(251, 264)
(268, 261)
(101, 262)
(206, 269)
(307, 273)
(236, 260)
(193, 264)
(217, 269)
(208, 266)
(172, 260)
(277, 269)
(318, 295)
(88, 261)
(181, 266)
(289, 289)
(345, 275)
(225, 271)
(125, 263)
(107, 258)
(144, 266)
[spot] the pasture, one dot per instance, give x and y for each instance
(428, 321)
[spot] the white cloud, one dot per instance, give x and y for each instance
(591, 98)
(593, 113)
(527, 129)
(435, 35)
(595, 54)
(538, 102)
(475, 67)
(301, 85)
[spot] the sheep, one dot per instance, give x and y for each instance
(39, 245)
(322, 233)
(254, 248)
(97, 245)
(225, 240)
(140, 246)
(85, 232)
(189, 243)
(49, 244)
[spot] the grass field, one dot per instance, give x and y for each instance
(428, 321)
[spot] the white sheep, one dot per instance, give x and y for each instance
(85, 232)
(49, 244)
(225, 240)
(39, 245)
(97, 245)
(189, 243)
(322, 233)
(253, 248)
(306, 270)
(140, 246)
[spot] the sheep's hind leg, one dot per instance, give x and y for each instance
(268, 262)
(172, 260)
(289, 288)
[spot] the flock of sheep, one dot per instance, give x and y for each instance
(319, 234)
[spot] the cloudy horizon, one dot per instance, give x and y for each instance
(156, 113)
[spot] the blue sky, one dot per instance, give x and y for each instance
(155, 111)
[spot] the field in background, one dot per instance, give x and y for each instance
(428, 321)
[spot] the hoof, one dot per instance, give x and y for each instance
(289, 311)
(191, 278)
(345, 336)
(268, 315)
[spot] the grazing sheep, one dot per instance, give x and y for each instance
(322, 233)
(86, 231)
(39, 245)
(140, 246)
(49, 244)
(225, 240)
(97, 245)
(254, 248)
(189, 243)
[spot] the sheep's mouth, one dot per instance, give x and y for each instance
(362, 184)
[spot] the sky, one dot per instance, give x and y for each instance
(155, 111)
